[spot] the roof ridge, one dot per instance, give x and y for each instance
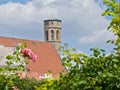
(22, 39)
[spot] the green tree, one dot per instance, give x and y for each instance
(113, 11)
(97, 71)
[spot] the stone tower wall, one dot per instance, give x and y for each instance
(52, 33)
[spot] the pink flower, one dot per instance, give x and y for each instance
(28, 53)
(34, 58)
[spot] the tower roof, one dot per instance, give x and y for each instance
(53, 19)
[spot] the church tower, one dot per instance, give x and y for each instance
(52, 31)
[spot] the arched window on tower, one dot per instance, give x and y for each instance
(57, 35)
(52, 34)
(46, 33)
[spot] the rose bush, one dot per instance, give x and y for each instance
(16, 64)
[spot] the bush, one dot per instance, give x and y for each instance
(27, 83)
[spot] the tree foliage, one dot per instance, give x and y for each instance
(113, 10)
(97, 71)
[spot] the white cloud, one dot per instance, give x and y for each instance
(82, 21)
(46, 2)
(96, 37)
(80, 9)
(16, 13)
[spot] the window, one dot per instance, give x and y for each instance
(46, 33)
(52, 23)
(52, 34)
(57, 35)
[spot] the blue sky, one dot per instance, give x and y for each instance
(83, 26)
(15, 1)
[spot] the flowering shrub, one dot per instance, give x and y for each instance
(15, 65)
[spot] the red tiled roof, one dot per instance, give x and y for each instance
(48, 59)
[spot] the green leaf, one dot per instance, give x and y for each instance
(115, 66)
(115, 20)
(105, 12)
(109, 74)
(82, 82)
(9, 57)
(9, 63)
(105, 1)
(115, 60)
